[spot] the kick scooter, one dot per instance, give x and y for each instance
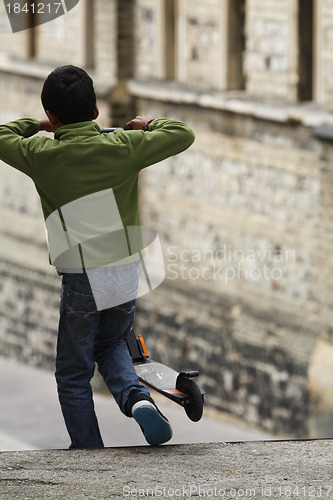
(179, 387)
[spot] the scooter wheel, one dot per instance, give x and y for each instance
(194, 404)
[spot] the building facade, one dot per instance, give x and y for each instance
(244, 216)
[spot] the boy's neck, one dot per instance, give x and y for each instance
(57, 123)
(54, 121)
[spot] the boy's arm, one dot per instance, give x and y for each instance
(152, 142)
(15, 146)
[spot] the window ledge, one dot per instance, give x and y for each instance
(35, 69)
(28, 67)
(308, 114)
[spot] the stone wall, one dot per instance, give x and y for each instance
(104, 40)
(201, 42)
(271, 48)
(145, 53)
(238, 218)
(241, 351)
(28, 314)
(244, 216)
(324, 41)
(185, 41)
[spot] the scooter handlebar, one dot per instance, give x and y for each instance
(112, 129)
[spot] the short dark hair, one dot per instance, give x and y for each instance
(68, 93)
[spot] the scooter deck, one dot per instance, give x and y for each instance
(159, 377)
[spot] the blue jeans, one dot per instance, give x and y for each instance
(87, 336)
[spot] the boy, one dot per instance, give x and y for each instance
(80, 162)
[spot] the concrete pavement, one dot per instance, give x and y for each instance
(279, 470)
(30, 416)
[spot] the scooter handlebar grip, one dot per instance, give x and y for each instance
(112, 129)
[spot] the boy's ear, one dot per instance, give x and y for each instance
(96, 112)
(53, 120)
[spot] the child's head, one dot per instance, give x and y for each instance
(68, 93)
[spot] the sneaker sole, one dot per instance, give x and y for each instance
(155, 428)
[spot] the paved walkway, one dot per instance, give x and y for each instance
(30, 416)
(266, 470)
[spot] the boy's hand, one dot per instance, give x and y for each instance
(139, 122)
(45, 125)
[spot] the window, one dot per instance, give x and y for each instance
(236, 44)
(170, 8)
(305, 47)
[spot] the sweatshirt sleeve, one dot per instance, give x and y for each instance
(15, 145)
(165, 138)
